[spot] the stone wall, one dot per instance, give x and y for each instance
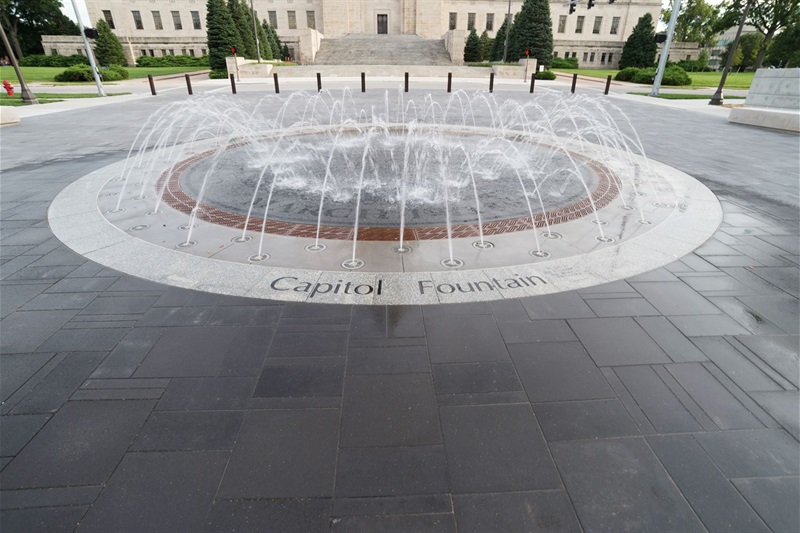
(454, 42)
(773, 101)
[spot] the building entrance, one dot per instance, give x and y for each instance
(383, 24)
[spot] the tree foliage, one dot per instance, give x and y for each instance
(264, 46)
(499, 42)
(532, 31)
(25, 21)
(107, 48)
(485, 43)
(244, 25)
(767, 16)
(472, 49)
(785, 48)
(222, 33)
(273, 39)
(697, 22)
(640, 48)
(746, 52)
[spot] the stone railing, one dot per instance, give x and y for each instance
(454, 42)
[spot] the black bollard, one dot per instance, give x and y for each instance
(363, 82)
(449, 82)
(319, 82)
(233, 84)
(406, 87)
(277, 86)
(574, 81)
(608, 84)
(491, 82)
(533, 81)
(152, 84)
(188, 84)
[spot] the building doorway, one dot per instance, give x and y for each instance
(383, 24)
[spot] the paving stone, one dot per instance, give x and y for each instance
(774, 499)
(120, 305)
(166, 491)
(709, 493)
(663, 409)
(393, 505)
(617, 341)
(378, 472)
(675, 298)
(15, 296)
(51, 393)
(59, 301)
(558, 371)
(464, 339)
(707, 325)
(536, 331)
(248, 315)
(735, 365)
(189, 430)
(433, 523)
(475, 378)
(18, 369)
(42, 520)
(52, 497)
(388, 360)
(784, 407)
(300, 381)
(81, 445)
(301, 446)
(390, 410)
(307, 515)
(83, 340)
(207, 394)
(615, 307)
(492, 448)
(368, 322)
(619, 485)
(175, 316)
(404, 321)
(596, 419)
(79, 285)
(309, 344)
(746, 317)
(752, 453)
(314, 310)
(542, 510)
(41, 273)
(721, 285)
(128, 354)
(24, 331)
(559, 305)
(679, 348)
(782, 311)
(779, 352)
(16, 431)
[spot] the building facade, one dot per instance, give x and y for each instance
(170, 27)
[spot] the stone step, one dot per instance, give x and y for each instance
(382, 50)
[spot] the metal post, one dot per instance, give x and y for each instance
(491, 82)
(277, 86)
(152, 84)
(717, 98)
(508, 31)
(608, 84)
(533, 81)
(27, 96)
(319, 82)
(662, 62)
(406, 85)
(188, 84)
(449, 82)
(89, 52)
(233, 84)
(363, 82)
(574, 81)
(255, 31)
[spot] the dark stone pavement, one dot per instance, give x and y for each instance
(665, 402)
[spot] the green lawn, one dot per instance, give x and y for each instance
(735, 80)
(687, 96)
(47, 98)
(46, 74)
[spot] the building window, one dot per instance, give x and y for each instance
(490, 22)
(196, 19)
(137, 20)
(585, 57)
(53, 52)
(152, 53)
(614, 25)
(555, 54)
(311, 19)
(562, 23)
(202, 51)
(109, 18)
(470, 21)
(610, 57)
(574, 54)
(579, 24)
(157, 20)
(273, 19)
(591, 57)
(598, 21)
(172, 51)
(176, 20)
(144, 52)
(603, 58)
(453, 20)
(292, 20)
(191, 52)
(163, 51)
(183, 51)
(80, 51)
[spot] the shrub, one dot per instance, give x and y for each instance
(218, 74)
(626, 74)
(75, 73)
(564, 62)
(114, 73)
(42, 60)
(545, 75)
(675, 75)
(172, 61)
(644, 75)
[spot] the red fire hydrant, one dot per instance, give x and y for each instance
(8, 87)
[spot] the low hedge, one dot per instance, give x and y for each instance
(172, 61)
(673, 75)
(564, 62)
(41, 60)
(218, 74)
(84, 73)
(545, 75)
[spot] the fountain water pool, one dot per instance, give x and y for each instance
(402, 202)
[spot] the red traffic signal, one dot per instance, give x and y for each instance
(233, 50)
(527, 52)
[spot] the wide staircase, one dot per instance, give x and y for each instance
(382, 50)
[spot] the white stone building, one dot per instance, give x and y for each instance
(170, 27)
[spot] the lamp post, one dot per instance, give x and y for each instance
(27, 96)
(255, 31)
(717, 98)
(89, 52)
(662, 63)
(508, 31)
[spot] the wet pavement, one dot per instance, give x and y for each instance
(663, 402)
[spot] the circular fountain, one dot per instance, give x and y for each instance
(318, 198)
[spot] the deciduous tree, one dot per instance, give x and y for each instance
(25, 21)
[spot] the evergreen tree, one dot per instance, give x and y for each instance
(107, 48)
(532, 31)
(472, 50)
(485, 46)
(285, 53)
(640, 49)
(264, 46)
(244, 25)
(272, 37)
(499, 42)
(222, 33)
